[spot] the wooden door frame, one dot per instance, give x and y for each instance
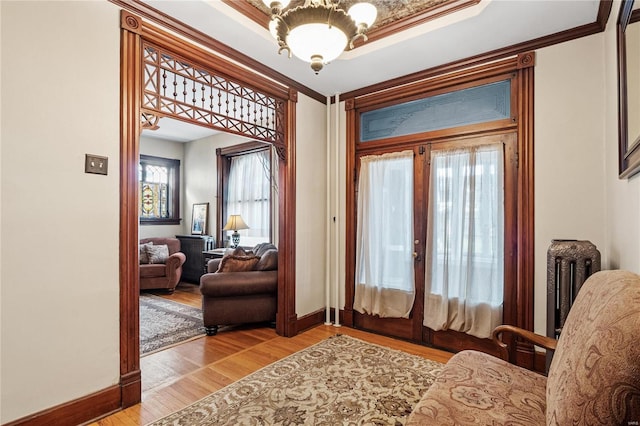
(521, 70)
(133, 32)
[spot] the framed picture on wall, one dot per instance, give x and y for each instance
(199, 219)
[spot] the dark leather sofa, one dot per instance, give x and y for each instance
(240, 288)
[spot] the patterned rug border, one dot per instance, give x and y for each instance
(176, 418)
(182, 310)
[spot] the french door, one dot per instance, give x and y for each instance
(434, 239)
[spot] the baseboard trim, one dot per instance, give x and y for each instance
(308, 321)
(131, 384)
(315, 318)
(75, 412)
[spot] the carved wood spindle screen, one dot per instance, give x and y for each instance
(173, 87)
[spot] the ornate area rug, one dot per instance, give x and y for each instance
(339, 381)
(164, 323)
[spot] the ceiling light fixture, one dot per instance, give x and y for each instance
(318, 31)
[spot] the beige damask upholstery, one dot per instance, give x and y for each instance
(594, 378)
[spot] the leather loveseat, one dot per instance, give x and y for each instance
(163, 269)
(240, 288)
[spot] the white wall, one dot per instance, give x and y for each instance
(569, 142)
(173, 150)
(60, 226)
(201, 176)
(311, 198)
(578, 193)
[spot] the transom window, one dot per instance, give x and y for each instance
(159, 186)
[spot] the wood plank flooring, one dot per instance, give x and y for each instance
(181, 375)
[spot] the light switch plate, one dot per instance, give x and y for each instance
(96, 164)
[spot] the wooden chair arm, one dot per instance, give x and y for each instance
(537, 339)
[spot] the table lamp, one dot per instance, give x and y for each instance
(234, 223)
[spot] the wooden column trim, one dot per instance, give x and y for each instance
(130, 91)
(525, 206)
(350, 209)
(286, 315)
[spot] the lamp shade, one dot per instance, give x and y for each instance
(234, 223)
(363, 13)
(307, 41)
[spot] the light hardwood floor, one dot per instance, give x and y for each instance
(178, 376)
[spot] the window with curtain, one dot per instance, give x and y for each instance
(465, 240)
(249, 195)
(385, 281)
(159, 190)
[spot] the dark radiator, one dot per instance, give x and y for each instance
(569, 264)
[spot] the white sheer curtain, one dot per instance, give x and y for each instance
(385, 282)
(465, 241)
(249, 195)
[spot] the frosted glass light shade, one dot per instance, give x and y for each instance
(283, 3)
(309, 40)
(363, 13)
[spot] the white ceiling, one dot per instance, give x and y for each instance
(490, 25)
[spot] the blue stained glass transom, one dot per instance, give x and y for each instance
(475, 105)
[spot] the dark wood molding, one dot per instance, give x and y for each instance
(352, 130)
(243, 148)
(130, 98)
(286, 315)
(525, 207)
(311, 320)
(525, 214)
(560, 37)
(78, 411)
(423, 17)
(628, 145)
(131, 388)
(526, 60)
(145, 11)
(436, 84)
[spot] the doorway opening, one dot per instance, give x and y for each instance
(197, 87)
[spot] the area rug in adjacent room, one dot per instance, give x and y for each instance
(164, 323)
(341, 380)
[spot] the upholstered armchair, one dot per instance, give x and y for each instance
(160, 263)
(240, 288)
(594, 376)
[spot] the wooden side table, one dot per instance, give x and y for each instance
(192, 246)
